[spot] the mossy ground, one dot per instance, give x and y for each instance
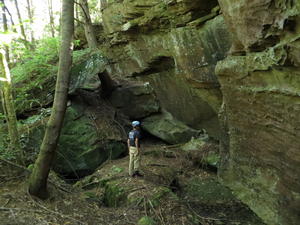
(167, 194)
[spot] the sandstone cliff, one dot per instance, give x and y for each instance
(261, 96)
(175, 45)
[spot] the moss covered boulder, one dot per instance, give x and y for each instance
(83, 143)
(209, 192)
(146, 220)
(85, 75)
(203, 153)
(115, 194)
(82, 146)
(167, 128)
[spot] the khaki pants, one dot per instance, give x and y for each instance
(134, 160)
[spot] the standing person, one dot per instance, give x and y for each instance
(134, 148)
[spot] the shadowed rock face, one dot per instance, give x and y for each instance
(261, 106)
(135, 100)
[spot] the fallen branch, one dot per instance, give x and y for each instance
(15, 165)
(28, 171)
(172, 146)
(202, 217)
(136, 189)
(5, 204)
(155, 212)
(19, 209)
(155, 164)
(54, 212)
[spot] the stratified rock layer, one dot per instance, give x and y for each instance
(174, 46)
(261, 107)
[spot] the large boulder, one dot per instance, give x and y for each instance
(212, 199)
(167, 128)
(84, 144)
(87, 140)
(260, 113)
(135, 100)
(202, 152)
(85, 75)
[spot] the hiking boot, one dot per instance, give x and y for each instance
(137, 173)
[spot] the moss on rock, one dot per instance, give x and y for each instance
(115, 194)
(146, 220)
(209, 192)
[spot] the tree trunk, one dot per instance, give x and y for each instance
(9, 109)
(88, 26)
(38, 178)
(11, 20)
(77, 19)
(5, 28)
(20, 21)
(30, 16)
(51, 18)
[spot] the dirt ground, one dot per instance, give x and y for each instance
(161, 195)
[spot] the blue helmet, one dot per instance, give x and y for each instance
(135, 123)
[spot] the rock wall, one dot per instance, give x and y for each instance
(174, 46)
(261, 106)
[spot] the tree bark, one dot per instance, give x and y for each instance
(20, 21)
(9, 109)
(88, 26)
(38, 178)
(5, 29)
(51, 18)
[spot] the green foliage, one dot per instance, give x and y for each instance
(81, 55)
(116, 169)
(5, 151)
(38, 62)
(34, 74)
(146, 220)
(114, 194)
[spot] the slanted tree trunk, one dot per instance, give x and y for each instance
(11, 20)
(5, 28)
(51, 18)
(38, 178)
(8, 107)
(77, 19)
(30, 16)
(20, 21)
(88, 26)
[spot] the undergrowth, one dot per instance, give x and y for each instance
(35, 73)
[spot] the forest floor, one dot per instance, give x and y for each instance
(173, 191)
